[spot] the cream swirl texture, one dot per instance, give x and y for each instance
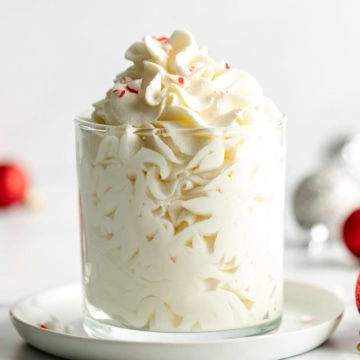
(174, 83)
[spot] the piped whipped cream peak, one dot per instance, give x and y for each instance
(173, 83)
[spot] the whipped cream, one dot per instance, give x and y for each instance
(174, 83)
(182, 196)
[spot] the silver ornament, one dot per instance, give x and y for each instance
(326, 197)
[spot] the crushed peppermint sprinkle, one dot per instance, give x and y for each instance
(227, 66)
(162, 39)
(306, 319)
(123, 81)
(192, 68)
(122, 94)
(181, 80)
(54, 324)
(132, 90)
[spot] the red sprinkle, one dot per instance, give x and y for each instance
(43, 326)
(122, 94)
(227, 66)
(163, 39)
(132, 90)
(115, 90)
(306, 319)
(192, 68)
(123, 81)
(181, 80)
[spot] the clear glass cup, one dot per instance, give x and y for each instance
(181, 229)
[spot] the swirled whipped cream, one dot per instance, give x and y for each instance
(174, 83)
(182, 197)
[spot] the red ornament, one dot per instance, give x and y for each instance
(357, 292)
(351, 232)
(13, 184)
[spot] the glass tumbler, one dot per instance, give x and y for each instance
(181, 229)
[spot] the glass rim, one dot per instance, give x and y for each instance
(83, 120)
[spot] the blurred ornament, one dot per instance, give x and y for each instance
(357, 299)
(351, 233)
(323, 199)
(13, 184)
(357, 292)
(15, 187)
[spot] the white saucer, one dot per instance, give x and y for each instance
(311, 314)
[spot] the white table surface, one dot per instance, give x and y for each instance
(39, 248)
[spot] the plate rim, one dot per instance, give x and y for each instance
(18, 322)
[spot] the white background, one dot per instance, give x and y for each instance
(58, 57)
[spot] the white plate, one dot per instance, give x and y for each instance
(311, 314)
